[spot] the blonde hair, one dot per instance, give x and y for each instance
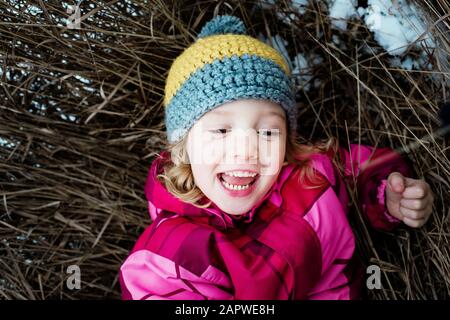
(179, 179)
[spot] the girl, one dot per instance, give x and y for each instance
(240, 210)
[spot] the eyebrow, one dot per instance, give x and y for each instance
(270, 113)
(274, 113)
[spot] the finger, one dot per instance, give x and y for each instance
(414, 223)
(409, 182)
(414, 214)
(396, 182)
(414, 204)
(415, 192)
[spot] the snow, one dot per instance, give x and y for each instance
(286, 17)
(82, 79)
(303, 70)
(266, 4)
(300, 5)
(34, 10)
(361, 11)
(301, 65)
(66, 117)
(409, 63)
(22, 237)
(337, 41)
(397, 25)
(6, 143)
(341, 11)
(279, 44)
(297, 5)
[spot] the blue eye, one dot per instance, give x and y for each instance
(219, 131)
(268, 132)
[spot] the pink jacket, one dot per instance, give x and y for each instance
(296, 243)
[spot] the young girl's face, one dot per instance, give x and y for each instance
(236, 152)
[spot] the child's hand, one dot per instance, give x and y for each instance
(409, 200)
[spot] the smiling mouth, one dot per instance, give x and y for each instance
(237, 183)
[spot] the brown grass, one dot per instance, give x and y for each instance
(71, 192)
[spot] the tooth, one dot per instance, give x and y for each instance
(235, 187)
(241, 174)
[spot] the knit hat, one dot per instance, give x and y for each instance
(222, 65)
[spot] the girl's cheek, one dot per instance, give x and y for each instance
(207, 153)
(271, 156)
(267, 149)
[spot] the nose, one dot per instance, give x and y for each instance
(245, 145)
